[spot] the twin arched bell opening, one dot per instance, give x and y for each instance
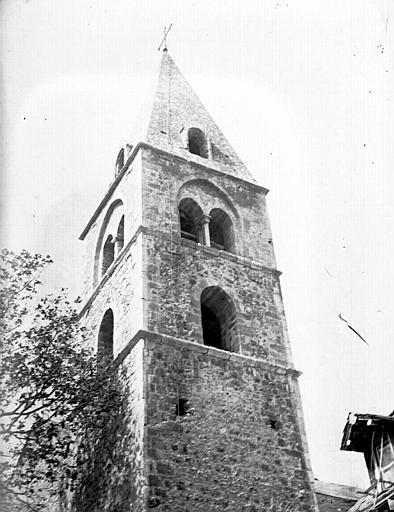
(213, 230)
(110, 241)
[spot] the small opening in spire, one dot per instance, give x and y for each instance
(197, 142)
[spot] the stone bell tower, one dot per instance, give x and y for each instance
(183, 292)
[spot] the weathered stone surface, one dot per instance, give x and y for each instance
(203, 428)
(237, 447)
(176, 276)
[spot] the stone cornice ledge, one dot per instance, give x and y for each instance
(185, 345)
(129, 161)
(210, 166)
(247, 262)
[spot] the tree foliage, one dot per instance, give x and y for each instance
(52, 391)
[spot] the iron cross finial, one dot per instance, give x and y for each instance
(164, 41)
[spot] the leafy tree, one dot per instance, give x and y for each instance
(52, 392)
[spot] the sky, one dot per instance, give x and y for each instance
(303, 89)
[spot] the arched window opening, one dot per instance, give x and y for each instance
(119, 162)
(221, 231)
(211, 328)
(108, 254)
(197, 142)
(110, 240)
(218, 320)
(190, 215)
(105, 342)
(120, 236)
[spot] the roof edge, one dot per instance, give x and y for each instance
(360, 426)
(347, 492)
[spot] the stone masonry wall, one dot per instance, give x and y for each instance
(237, 448)
(242, 446)
(120, 290)
(129, 192)
(176, 274)
(153, 203)
(200, 429)
(162, 181)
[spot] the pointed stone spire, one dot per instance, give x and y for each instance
(176, 109)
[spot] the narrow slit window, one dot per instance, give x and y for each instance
(182, 407)
(105, 342)
(108, 254)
